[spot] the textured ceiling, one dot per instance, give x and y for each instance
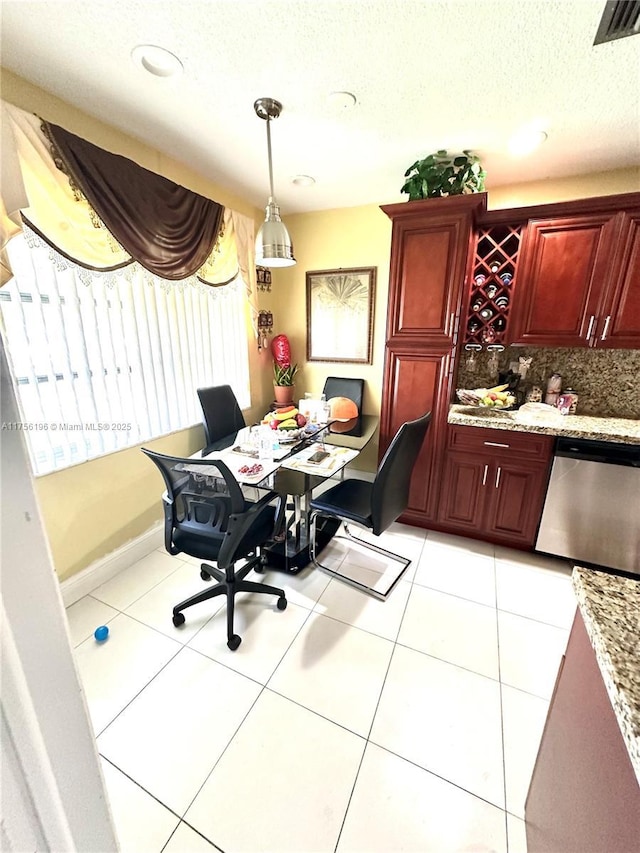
(436, 74)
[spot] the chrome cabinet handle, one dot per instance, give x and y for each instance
(498, 472)
(591, 322)
(495, 444)
(606, 327)
(484, 476)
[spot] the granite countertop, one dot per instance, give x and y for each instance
(622, 430)
(610, 608)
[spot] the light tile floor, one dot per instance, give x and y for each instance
(342, 723)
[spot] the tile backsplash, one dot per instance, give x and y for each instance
(607, 381)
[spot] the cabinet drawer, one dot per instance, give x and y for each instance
(501, 442)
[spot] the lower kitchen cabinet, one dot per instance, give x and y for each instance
(494, 484)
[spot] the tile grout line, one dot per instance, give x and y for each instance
(504, 758)
(367, 739)
(263, 687)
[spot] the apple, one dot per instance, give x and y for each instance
(274, 423)
(301, 420)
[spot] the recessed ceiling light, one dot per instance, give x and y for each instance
(156, 60)
(525, 142)
(342, 100)
(303, 180)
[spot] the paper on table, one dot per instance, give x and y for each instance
(338, 457)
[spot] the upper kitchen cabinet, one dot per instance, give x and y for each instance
(429, 249)
(621, 309)
(579, 277)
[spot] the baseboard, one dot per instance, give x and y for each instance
(85, 581)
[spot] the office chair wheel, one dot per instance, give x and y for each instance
(205, 575)
(282, 603)
(178, 619)
(234, 642)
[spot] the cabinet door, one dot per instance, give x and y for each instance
(462, 495)
(515, 498)
(429, 248)
(417, 382)
(565, 265)
(620, 326)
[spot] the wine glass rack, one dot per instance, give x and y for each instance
(493, 279)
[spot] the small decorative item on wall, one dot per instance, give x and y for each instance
(340, 307)
(265, 327)
(263, 279)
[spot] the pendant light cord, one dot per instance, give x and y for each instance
(269, 155)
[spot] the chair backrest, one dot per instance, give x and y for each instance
(338, 386)
(221, 414)
(202, 498)
(390, 492)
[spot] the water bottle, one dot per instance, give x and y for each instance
(266, 443)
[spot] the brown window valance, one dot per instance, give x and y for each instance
(165, 227)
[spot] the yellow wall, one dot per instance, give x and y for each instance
(91, 509)
(565, 189)
(348, 237)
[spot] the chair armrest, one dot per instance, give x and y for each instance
(239, 525)
(167, 505)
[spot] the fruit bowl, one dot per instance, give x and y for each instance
(288, 436)
(493, 399)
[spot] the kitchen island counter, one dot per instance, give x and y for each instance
(624, 430)
(584, 795)
(610, 609)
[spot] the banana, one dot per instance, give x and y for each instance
(285, 414)
(498, 388)
(291, 423)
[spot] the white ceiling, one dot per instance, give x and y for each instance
(435, 74)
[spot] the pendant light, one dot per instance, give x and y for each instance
(273, 244)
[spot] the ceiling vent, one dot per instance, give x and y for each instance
(620, 18)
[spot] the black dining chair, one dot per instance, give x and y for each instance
(342, 386)
(221, 414)
(372, 505)
(207, 516)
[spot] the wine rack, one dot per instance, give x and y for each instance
(492, 284)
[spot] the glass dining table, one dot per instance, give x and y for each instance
(294, 476)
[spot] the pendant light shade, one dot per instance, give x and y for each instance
(273, 244)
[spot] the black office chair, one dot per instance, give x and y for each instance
(339, 386)
(374, 506)
(207, 516)
(221, 414)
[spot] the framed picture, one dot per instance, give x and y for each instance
(340, 314)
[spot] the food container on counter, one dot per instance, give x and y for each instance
(568, 402)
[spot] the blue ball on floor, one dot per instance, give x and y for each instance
(101, 633)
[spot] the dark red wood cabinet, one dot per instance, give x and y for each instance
(493, 484)
(579, 281)
(621, 309)
(570, 273)
(429, 254)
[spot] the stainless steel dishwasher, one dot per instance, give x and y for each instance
(592, 510)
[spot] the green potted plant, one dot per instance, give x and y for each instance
(441, 175)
